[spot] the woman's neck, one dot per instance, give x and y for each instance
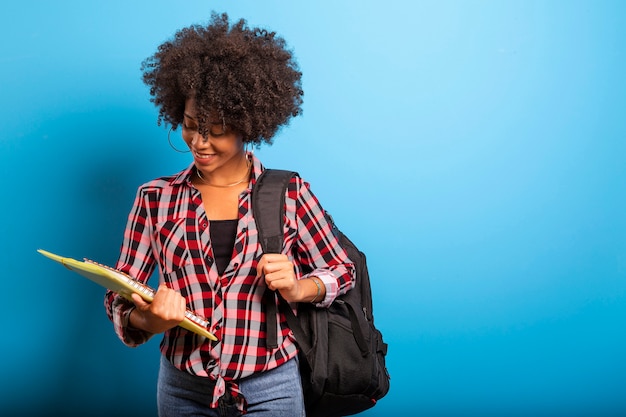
(226, 176)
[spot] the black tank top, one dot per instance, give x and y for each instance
(222, 234)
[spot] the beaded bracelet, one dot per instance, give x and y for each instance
(319, 290)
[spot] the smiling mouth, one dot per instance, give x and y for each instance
(203, 155)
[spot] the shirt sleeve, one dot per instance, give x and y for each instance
(135, 260)
(317, 249)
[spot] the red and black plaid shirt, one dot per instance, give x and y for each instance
(168, 227)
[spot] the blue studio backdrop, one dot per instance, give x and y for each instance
(475, 150)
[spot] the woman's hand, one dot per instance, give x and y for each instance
(280, 276)
(166, 310)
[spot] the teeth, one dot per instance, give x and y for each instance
(203, 156)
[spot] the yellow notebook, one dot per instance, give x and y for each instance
(124, 285)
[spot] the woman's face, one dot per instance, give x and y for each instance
(219, 147)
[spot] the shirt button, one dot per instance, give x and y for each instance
(209, 260)
(204, 225)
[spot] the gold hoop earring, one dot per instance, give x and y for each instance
(170, 142)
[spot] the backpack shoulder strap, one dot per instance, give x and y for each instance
(268, 207)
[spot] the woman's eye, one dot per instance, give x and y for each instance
(216, 133)
(189, 127)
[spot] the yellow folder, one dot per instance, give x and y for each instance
(124, 285)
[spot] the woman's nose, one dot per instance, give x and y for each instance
(198, 138)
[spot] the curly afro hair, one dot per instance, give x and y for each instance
(245, 76)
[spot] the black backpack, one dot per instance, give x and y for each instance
(342, 354)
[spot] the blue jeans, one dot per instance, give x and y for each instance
(275, 393)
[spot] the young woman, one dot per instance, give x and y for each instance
(228, 86)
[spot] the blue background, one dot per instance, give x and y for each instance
(473, 149)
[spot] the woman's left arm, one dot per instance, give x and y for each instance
(318, 255)
(317, 269)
